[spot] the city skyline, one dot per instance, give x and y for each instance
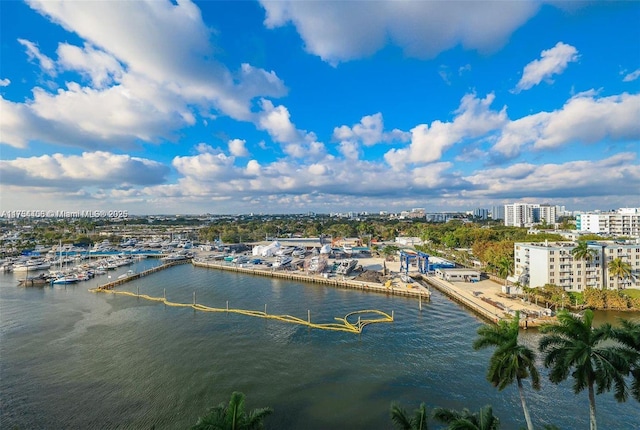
(288, 107)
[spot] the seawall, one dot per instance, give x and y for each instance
(418, 291)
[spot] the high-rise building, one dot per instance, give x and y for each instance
(538, 264)
(623, 222)
(497, 212)
(481, 213)
(526, 214)
(548, 213)
(518, 214)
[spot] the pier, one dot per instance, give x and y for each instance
(418, 291)
(113, 284)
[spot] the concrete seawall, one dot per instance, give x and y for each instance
(418, 291)
(484, 310)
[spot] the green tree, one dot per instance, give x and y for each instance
(390, 250)
(456, 420)
(574, 347)
(511, 361)
(232, 416)
(586, 254)
(628, 334)
(620, 269)
(505, 268)
(404, 422)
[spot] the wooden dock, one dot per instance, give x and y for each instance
(113, 284)
(421, 291)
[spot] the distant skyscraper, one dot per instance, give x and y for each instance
(497, 212)
(481, 213)
(548, 213)
(526, 214)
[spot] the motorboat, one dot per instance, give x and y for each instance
(32, 265)
(127, 274)
(346, 266)
(281, 261)
(298, 252)
(316, 264)
(66, 279)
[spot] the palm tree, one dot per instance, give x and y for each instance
(586, 254)
(232, 416)
(456, 420)
(574, 346)
(511, 360)
(505, 268)
(628, 334)
(619, 269)
(403, 422)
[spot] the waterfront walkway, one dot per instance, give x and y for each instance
(484, 299)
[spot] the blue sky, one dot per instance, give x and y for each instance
(292, 106)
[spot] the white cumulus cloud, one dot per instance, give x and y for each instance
(73, 172)
(276, 121)
(584, 118)
(99, 66)
(146, 82)
(552, 61)
(369, 131)
(631, 76)
(237, 148)
(34, 54)
(342, 31)
(473, 119)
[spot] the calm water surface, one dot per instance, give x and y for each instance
(73, 359)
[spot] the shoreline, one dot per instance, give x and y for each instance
(413, 290)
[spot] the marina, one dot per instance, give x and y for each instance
(128, 362)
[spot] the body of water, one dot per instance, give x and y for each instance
(74, 359)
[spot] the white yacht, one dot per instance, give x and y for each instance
(346, 266)
(32, 265)
(281, 261)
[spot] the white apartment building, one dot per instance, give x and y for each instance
(525, 214)
(537, 264)
(623, 222)
(548, 213)
(518, 214)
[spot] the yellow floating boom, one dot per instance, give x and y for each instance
(342, 325)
